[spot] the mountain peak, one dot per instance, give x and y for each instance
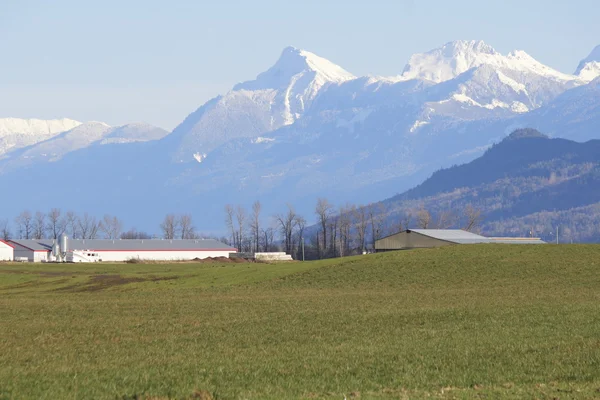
(469, 46)
(591, 62)
(526, 133)
(36, 126)
(449, 61)
(292, 62)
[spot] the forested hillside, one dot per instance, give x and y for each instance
(528, 184)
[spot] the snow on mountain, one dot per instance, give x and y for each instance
(474, 81)
(593, 57)
(35, 126)
(574, 114)
(81, 136)
(589, 67)
(306, 128)
(590, 71)
(134, 132)
(16, 133)
(276, 98)
(455, 58)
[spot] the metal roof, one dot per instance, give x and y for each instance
(452, 235)
(5, 244)
(32, 244)
(129, 244)
(463, 237)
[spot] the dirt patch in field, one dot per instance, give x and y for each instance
(103, 282)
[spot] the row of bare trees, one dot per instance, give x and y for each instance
(246, 231)
(339, 231)
(51, 225)
(178, 227)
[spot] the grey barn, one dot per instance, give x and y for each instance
(426, 238)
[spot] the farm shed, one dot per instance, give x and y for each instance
(30, 250)
(426, 238)
(6, 251)
(92, 250)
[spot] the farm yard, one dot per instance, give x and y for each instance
(478, 321)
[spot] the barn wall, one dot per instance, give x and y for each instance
(20, 251)
(408, 240)
(158, 255)
(39, 256)
(6, 252)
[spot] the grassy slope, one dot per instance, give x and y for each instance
(458, 322)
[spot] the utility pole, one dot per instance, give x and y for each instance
(302, 248)
(556, 234)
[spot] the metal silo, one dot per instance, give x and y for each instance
(64, 244)
(56, 250)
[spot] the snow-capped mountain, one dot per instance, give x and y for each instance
(477, 82)
(16, 133)
(593, 57)
(276, 98)
(589, 67)
(456, 58)
(306, 128)
(81, 136)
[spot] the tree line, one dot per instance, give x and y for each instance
(52, 224)
(338, 232)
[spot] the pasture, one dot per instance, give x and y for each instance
(480, 321)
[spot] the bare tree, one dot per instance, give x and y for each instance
(298, 236)
(72, 224)
(39, 225)
(240, 217)
(324, 211)
(169, 226)
(135, 234)
(56, 224)
(376, 214)
(4, 229)
(423, 219)
(344, 226)
(255, 225)
(186, 227)
(360, 218)
(333, 237)
(229, 213)
(407, 220)
(111, 227)
(446, 219)
(473, 218)
(287, 223)
(24, 223)
(88, 226)
(268, 235)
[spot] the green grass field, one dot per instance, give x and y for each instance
(482, 321)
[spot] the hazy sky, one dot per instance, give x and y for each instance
(120, 61)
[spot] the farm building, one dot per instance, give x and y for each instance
(425, 238)
(6, 251)
(96, 250)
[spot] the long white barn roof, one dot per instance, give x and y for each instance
(128, 244)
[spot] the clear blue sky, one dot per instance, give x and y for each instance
(122, 61)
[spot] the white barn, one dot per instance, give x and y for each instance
(120, 250)
(6, 251)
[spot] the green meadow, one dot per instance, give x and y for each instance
(461, 322)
